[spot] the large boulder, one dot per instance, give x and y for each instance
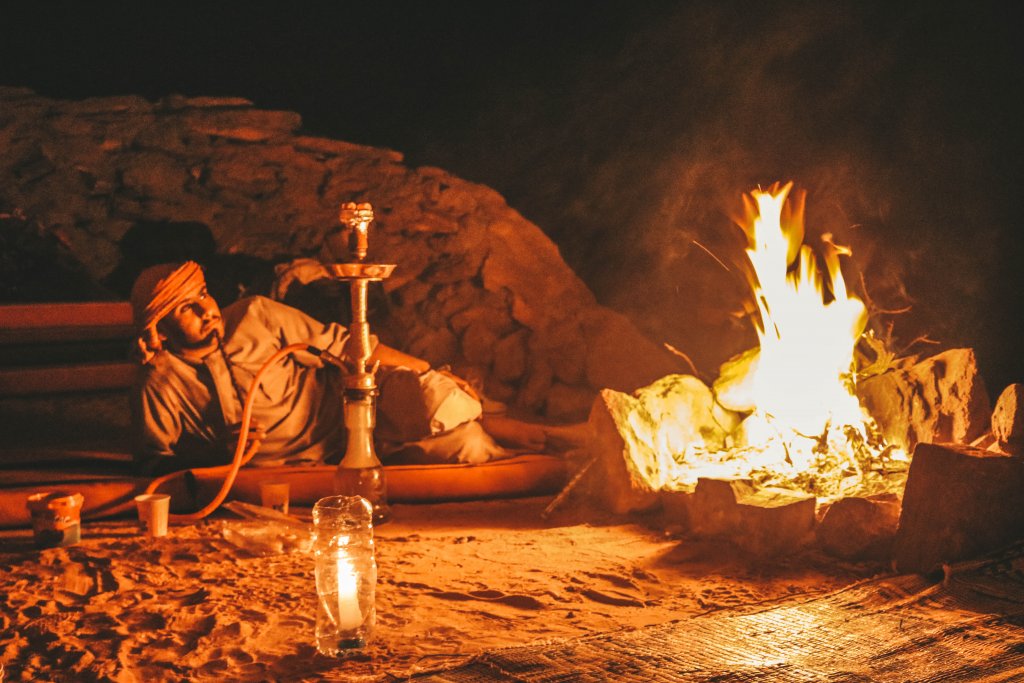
(477, 286)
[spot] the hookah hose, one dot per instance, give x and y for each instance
(241, 455)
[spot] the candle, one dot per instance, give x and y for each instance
(346, 574)
(349, 615)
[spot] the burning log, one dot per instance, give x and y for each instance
(940, 399)
(959, 502)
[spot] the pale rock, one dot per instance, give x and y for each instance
(659, 420)
(614, 480)
(733, 386)
(1008, 420)
(940, 399)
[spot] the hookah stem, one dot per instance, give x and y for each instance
(241, 456)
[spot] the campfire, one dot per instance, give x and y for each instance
(783, 414)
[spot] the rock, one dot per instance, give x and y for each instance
(764, 522)
(153, 174)
(535, 386)
(474, 279)
(860, 528)
(940, 399)
(213, 102)
(244, 174)
(334, 148)
(478, 344)
(529, 266)
(510, 356)
(247, 125)
(960, 502)
(676, 507)
(1008, 420)
(616, 482)
(436, 346)
(568, 404)
(657, 420)
(618, 356)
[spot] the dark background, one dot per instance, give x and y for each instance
(628, 130)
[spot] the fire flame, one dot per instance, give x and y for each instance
(785, 413)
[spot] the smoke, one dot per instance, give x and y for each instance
(633, 157)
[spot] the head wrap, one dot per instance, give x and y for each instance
(156, 292)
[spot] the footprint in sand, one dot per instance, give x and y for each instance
(623, 591)
(144, 620)
(518, 601)
(724, 596)
(612, 597)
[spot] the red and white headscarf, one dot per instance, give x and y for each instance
(156, 292)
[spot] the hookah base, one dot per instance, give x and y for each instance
(367, 482)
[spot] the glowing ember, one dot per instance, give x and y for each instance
(786, 413)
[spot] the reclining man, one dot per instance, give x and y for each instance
(199, 363)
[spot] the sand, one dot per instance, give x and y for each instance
(454, 580)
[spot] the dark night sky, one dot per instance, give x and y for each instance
(589, 115)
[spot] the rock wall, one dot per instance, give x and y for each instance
(477, 285)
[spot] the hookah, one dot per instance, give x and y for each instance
(360, 472)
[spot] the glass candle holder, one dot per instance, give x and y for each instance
(346, 574)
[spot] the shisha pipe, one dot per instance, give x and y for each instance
(360, 471)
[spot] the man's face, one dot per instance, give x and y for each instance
(194, 327)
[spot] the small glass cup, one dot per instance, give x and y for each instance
(346, 574)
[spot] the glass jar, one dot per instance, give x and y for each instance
(360, 473)
(346, 574)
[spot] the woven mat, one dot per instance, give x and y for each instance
(967, 627)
